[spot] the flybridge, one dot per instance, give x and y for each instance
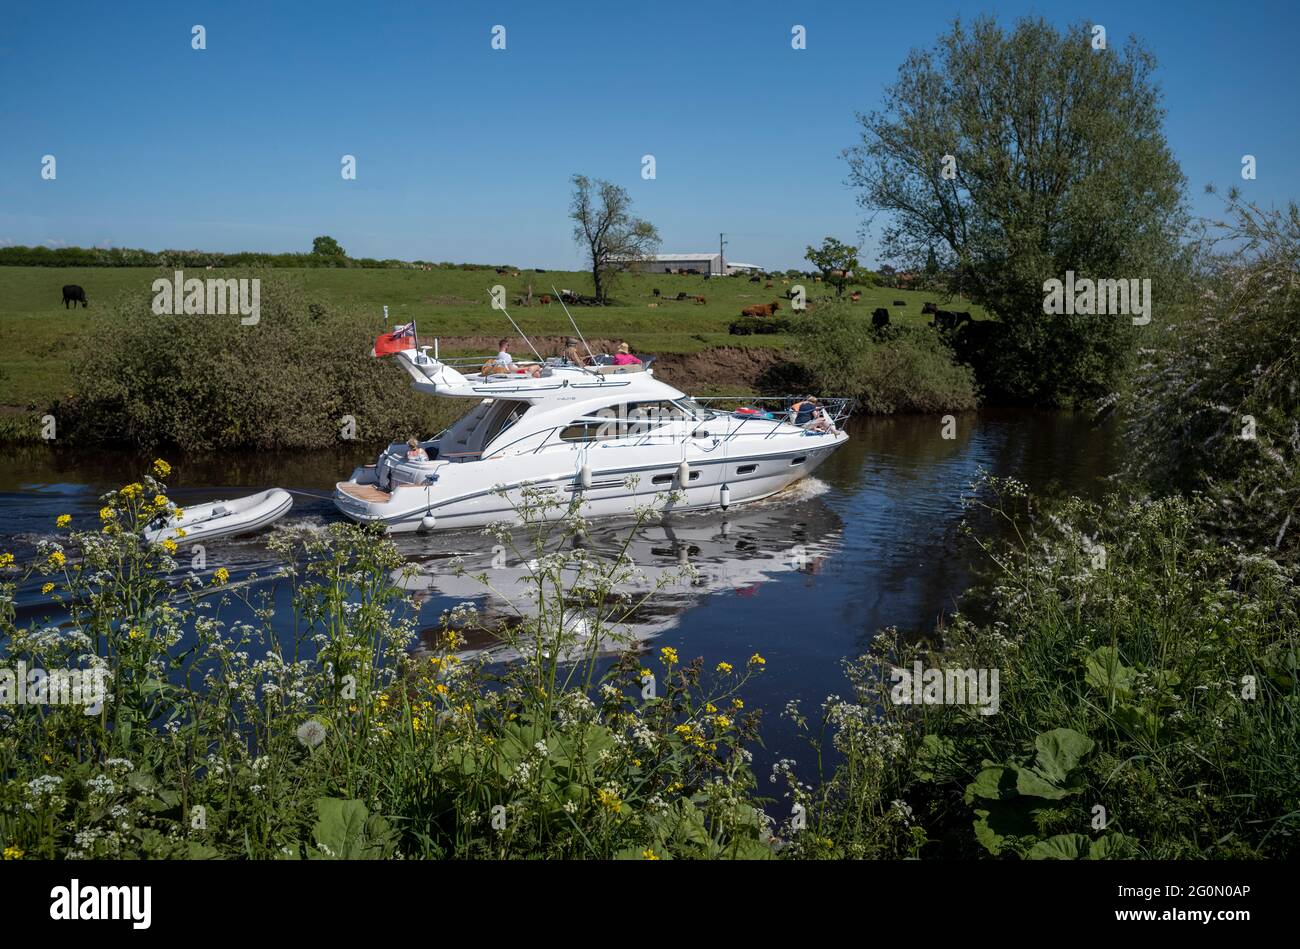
(452, 378)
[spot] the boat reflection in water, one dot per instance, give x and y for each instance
(674, 564)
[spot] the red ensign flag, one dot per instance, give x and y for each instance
(401, 338)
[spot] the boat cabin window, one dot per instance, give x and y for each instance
(506, 415)
(622, 420)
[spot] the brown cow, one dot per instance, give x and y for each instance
(700, 300)
(762, 309)
(546, 299)
(855, 296)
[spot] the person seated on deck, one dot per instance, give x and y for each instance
(624, 357)
(505, 363)
(414, 452)
(809, 413)
(571, 354)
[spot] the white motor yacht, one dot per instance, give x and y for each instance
(612, 438)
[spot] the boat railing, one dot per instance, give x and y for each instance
(781, 406)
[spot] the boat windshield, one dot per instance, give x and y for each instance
(692, 408)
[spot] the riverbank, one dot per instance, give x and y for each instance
(567, 752)
(43, 344)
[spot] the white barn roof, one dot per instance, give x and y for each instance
(671, 257)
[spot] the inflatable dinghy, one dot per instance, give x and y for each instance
(224, 518)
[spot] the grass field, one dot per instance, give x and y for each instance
(38, 336)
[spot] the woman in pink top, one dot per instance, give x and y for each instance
(624, 356)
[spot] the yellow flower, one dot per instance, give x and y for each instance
(609, 800)
(649, 854)
(136, 633)
(724, 668)
(221, 576)
(58, 559)
(160, 500)
(710, 707)
(441, 688)
(6, 560)
(13, 853)
(669, 655)
(48, 588)
(757, 660)
(723, 721)
(161, 469)
(737, 704)
(133, 490)
(169, 545)
(63, 520)
(107, 513)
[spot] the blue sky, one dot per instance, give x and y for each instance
(464, 153)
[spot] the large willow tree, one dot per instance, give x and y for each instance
(1016, 156)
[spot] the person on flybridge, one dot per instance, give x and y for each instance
(504, 362)
(571, 354)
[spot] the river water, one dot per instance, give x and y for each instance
(806, 579)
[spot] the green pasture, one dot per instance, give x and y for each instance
(39, 338)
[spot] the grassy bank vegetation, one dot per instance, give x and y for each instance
(892, 369)
(205, 384)
(42, 343)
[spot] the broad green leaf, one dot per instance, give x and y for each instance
(992, 783)
(1033, 784)
(934, 756)
(1060, 847)
(1105, 672)
(339, 826)
(1060, 751)
(1113, 847)
(996, 821)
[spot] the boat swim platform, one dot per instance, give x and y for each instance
(364, 492)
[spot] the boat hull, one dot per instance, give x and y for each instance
(477, 494)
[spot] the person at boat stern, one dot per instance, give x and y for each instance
(414, 452)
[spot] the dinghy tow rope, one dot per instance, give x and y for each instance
(308, 494)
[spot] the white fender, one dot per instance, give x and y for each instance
(584, 477)
(428, 522)
(683, 474)
(724, 497)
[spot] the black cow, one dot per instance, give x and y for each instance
(900, 303)
(880, 317)
(947, 320)
(929, 308)
(755, 279)
(72, 295)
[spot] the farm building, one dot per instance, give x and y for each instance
(667, 263)
(733, 267)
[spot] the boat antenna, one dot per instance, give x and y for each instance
(559, 297)
(519, 331)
